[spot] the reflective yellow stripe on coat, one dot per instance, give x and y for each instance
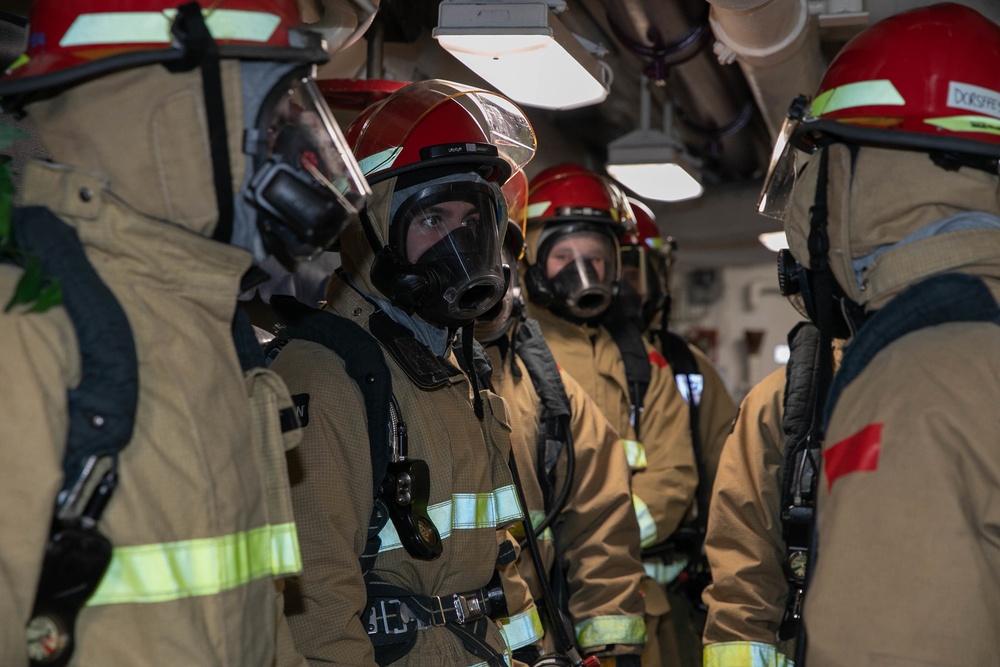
(465, 511)
(744, 654)
(191, 568)
(522, 629)
(647, 526)
(602, 630)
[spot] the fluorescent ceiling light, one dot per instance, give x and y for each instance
(524, 51)
(649, 163)
(774, 241)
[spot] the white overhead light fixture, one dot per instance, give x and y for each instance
(524, 51)
(774, 241)
(652, 163)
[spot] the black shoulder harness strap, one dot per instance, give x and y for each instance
(630, 343)
(951, 297)
(363, 362)
(537, 358)
(102, 407)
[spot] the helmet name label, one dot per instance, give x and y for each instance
(973, 98)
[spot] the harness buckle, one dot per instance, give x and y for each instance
(394, 617)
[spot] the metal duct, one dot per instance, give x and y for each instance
(341, 22)
(777, 45)
(719, 117)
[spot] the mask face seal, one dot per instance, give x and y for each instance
(306, 185)
(445, 237)
(580, 264)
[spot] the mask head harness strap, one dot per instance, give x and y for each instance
(199, 49)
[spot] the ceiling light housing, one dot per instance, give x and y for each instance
(524, 51)
(651, 164)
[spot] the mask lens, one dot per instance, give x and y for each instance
(583, 266)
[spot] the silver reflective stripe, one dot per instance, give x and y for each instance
(465, 511)
(697, 381)
(744, 654)
(175, 570)
(647, 527)
(664, 573)
(602, 630)
(154, 27)
(522, 629)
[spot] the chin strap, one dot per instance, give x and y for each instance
(200, 50)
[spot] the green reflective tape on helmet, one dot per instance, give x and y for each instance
(744, 654)
(536, 209)
(966, 124)
(381, 160)
(465, 511)
(879, 92)
(154, 27)
(191, 568)
(522, 629)
(647, 527)
(635, 453)
(602, 630)
(664, 573)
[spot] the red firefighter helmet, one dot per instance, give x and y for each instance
(917, 78)
(437, 123)
(569, 192)
(926, 79)
(69, 42)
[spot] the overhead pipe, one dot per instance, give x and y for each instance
(716, 109)
(341, 22)
(776, 44)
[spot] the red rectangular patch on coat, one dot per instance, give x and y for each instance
(658, 359)
(854, 453)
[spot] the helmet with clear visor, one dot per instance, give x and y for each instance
(303, 184)
(578, 217)
(906, 83)
(441, 151)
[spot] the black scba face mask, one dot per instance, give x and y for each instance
(306, 186)
(578, 291)
(797, 284)
(447, 240)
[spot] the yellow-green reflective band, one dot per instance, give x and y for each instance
(154, 27)
(611, 630)
(21, 60)
(860, 94)
(966, 124)
(381, 160)
(522, 629)
(664, 573)
(635, 453)
(744, 654)
(206, 566)
(465, 511)
(537, 516)
(647, 527)
(536, 209)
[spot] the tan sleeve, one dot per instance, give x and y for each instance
(39, 362)
(330, 473)
(666, 487)
(715, 415)
(745, 550)
(597, 535)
